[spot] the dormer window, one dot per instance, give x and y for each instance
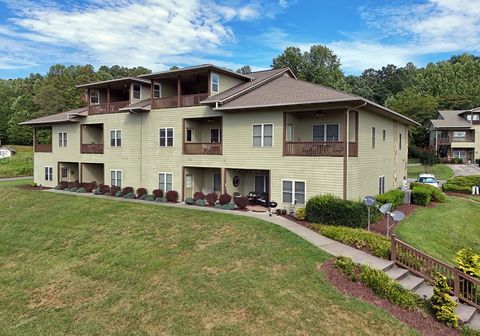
(94, 97)
(215, 83)
(157, 93)
(137, 91)
(476, 116)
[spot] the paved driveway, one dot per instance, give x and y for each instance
(465, 169)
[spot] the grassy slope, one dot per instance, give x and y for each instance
(74, 265)
(441, 171)
(445, 229)
(20, 164)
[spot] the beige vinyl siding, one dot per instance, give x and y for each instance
(145, 92)
(227, 82)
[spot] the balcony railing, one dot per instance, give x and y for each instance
(203, 148)
(43, 148)
(112, 107)
(326, 148)
(184, 101)
(450, 139)
(91, 149)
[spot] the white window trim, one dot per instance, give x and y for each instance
(116, 179)
(133, 91)
(62, 139)
(381, 176)
(325, 131)
(166, 137)
(165, 181)
(49, 172)
(293, 191)
(98, 94)
(116, 139)
(159, 90)
(459, 151)
(211, 82)
(64, 169)
(262, 135)
(186, 187)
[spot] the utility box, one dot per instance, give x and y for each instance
(407, 197)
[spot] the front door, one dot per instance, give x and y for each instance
(261, 184)
(189, 185)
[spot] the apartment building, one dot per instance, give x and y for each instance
(455, 134)
(207, 129)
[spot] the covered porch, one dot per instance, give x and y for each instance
(244, 181)
(202, 136)
(91, 139)
(68, 172)
(206, 180)
(42, 139)
(92, 172)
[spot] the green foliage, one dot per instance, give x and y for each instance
(244, 70)
(149, 198)
(74, 189)
(468, 262)
(300, 214)
(442, 304)
(421, 195)
(21, 164)
(428, 158)
(467, 331)
(129, 195)
(347, 266)
(201, 202)
(81, 190)
(189, 201)
(436, 194)
(389, 289)
(331, 210)
(118, 194)
(376, 244)
(462, 184)
(395, 197)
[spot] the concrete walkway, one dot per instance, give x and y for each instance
(5, 179)
(464, 169)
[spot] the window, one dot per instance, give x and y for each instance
(476, 116)
(189, 135)
(157, 90)
(459, 134)
(217, 182)
(373, 137)
(381, 185)
(166, 137)
(215, 135)
(215, 78)
(289, 133)
(137, 91)
(48, 173)
(116, 138)
(327, 132)
(188, 181)
(293, 192)
(260, 184)
(165, 181)
(116, 178)
(94, 97)
(400, 141)
(64, 172)
(62, 139)
(263, 135)
(384, 135)
(459, 154)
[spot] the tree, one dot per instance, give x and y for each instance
(291, 58)
(174, 67)
(244, 70)
(428, 158)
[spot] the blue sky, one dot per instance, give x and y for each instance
(159, 33)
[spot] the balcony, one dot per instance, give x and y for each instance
(91, 148)
(91, 139)
(448, 140)
(105, 108)
(202, 136)
(179, 101)
(203, 148)
(324, 148)
(42, 148)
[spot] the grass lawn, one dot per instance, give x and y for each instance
(443, 230)
(21, 164)
(441, 171)
(83, 266)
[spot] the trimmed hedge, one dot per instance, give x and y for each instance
(198, 195)
(241, 202)
(395, 197)
(211, 198)
(374, 243)
(300, 214)
(172, 196)
(331, 210)
(224, 199)
(462, 184)
(421, 195)
(436, 194)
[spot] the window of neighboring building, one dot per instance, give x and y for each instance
(293, 191)
(48, 173)
(166, 137)
(165, 181)
(459, 134)
(189, 135)
(64, 172)
(116, 138)
(62, 139)
(326, 132)
(400, 141)
(289, 133)
(116, 178)
(373, 137)
(157, 90)
(384, 135)
(263, 135)
(215, 78)
(459, 154)
(137, 91)
(94, 97)
(381, 185)
(476, 116)
(215, 135)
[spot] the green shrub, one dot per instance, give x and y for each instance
(376, 244)
(230, 206)
(347, 266)
(331, 210)
(462, 184)
(201, 202)
(381, 284)
(81, 190)
(118, 194)
(467, 331)
(468, 262)
(457, 188)
(129, 195)
(437, 195)
(442, 304)
(73, 189)
(421, 195)
(189, 201)
(456, 161)
(395, 197)
(149, 198)
(142, 197)
(158, 199)
(300, 214)
(218, 206)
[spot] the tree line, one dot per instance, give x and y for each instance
(417, 92)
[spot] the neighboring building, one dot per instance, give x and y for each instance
(6, 152)
(208, 129)
(454, 134)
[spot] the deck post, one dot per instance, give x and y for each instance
(456, 282)
(179, 91)
(108, 99)
(393, 248)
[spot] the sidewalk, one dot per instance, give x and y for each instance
(5, 179)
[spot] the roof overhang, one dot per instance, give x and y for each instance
(192, 71)
(113, 83)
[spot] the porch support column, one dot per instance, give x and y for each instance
(436, 141)
(80, 177)
(223, 177)
(284, 132)
(179, 91)
(34, 131)
(346, 138)
(88, 100)
(151, 94)
(183, 185)
(108, 99)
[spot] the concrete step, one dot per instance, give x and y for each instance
(397, 273)
(411, 282)
(425, 291)
(465, 312)
(474, 322)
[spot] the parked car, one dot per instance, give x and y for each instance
(428, 179)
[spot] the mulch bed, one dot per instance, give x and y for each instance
(417, 319)
(29, 187)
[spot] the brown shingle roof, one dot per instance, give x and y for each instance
(451, 118)
(62, 117)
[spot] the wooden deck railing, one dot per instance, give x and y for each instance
(185, 101)
(448, 140)
(202, 148)
(91, 148)
(112, 107)
(43, 148)
(326, 148)
(463, 286)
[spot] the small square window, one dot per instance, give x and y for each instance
(137, 91)
(384, 135)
